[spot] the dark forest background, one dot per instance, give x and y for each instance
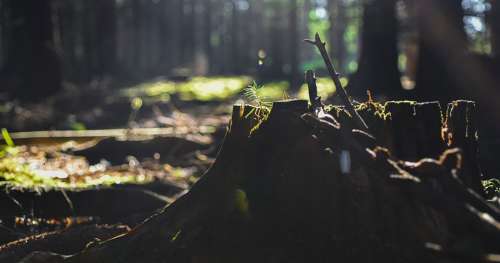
(64, 63)
(447, 48)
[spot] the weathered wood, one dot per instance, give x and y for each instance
(116, 151)
(210, 199)
(461, 130)
(429, 121)
(66, 241)
(56, 136)
(282, 193)
(108, 204)
(409, 129)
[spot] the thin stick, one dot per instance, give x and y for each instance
(335, 77)
(311, 86)
(316, 105)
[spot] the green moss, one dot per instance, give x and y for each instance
(241, 202)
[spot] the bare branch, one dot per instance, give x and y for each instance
(335, 77)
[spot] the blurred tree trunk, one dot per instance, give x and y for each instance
(307, 53)
(68, 37)
(207, 33)
(33, 66)
(106, 36)
(276, 37)
(89, 57)
(294, 51)
(257, 43)
(442, 47)
(137, 37)
(177, 15)
(3, 33)
(150, 28)
(245, 46)
(235, 43)
(164, 31)
(378, 63)
(217, 18)
(338, 24)
(494, 21)
(187, 32)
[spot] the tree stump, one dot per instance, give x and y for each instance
(291, 186)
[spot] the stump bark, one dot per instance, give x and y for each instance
(295, 187)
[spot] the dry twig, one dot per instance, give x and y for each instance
(335, 77)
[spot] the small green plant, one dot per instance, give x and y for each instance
(251, 94)
(491, 187)
(262, 107)
(9, 147)
(6, 136)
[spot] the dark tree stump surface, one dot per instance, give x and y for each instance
(296, 187)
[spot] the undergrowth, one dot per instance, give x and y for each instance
(197, 88)
(19, 172)
(492, 188)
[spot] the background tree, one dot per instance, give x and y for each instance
(294, 51)
(494, 22)
(337, 18)
(378, 62)
(106, 36)
(32, 67)
(442, 46)
(136, 40)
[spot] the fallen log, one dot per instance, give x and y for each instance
(109, 204)
(67, 241)
(61, 136)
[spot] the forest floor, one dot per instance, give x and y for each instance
(158, 136)
(92, 163)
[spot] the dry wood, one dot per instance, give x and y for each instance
(58, 136)
(340, 90)
(276, 196)
(67, 241)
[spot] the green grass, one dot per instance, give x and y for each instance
(222, 88)
(326, 88)
(14, 173)
(198, 88)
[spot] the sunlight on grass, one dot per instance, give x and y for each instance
(271, 91)
(326, 88)
(198, 88)
(20, 171)
(15, 174)
(223, 88)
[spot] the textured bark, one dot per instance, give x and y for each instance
(274, 196)
(67, 241)
(461, 129)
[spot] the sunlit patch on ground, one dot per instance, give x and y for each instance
(326, 88)
(33, 168)
(197, 88)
